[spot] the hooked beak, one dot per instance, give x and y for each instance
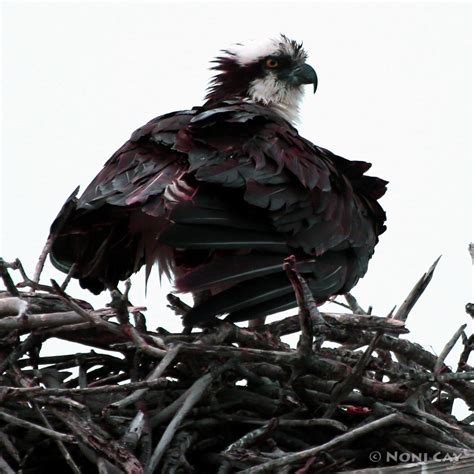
(304, 74)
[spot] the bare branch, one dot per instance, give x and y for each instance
(415, 293)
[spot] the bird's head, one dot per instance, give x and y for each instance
(271, 73)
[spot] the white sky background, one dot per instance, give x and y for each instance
(394, 90)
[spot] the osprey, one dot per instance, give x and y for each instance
(221, 194)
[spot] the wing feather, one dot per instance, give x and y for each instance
(220, 196)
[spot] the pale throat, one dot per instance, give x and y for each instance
(283, 100)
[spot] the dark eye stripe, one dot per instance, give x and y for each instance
(283, 61)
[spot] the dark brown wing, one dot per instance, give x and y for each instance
(321, 205)
(222, 196)
(113, 230)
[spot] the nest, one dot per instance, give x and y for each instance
(226, 399)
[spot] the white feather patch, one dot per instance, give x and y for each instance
(253, 50)
(282, 99)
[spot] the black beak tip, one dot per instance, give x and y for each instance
(307, 75)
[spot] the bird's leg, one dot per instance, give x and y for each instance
(198, 298)
(201, 296)
(256, 323)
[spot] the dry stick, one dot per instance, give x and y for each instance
(253, 436)
(13, 306)
(415, 293)
(454, 376)
(7, 279)
(339, 303)
(156, 374)
(193, 395)
(32, 341)
(354, 304)
(41, 261)
(94, 458)
(102, 466)
(437, 429)
(87, 315)
(365, 321)
(120, 303)
(9, 447)
(323, 422)
(167, 413)
(343, 388)
(468, 347)
(51, 320)
(66, 210)
(31, 392)
(343, 335)
(290, 324)
(141, 344)
(5, 467)
(86, 431)
(32, 426)
(67, 456)
(135, 430)
(447, 349)
(27, 282)
(66, 281)
(335, 442)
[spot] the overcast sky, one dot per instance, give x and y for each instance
(394, 90)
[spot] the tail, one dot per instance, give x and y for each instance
(98, 242)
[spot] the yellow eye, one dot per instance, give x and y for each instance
(271, 63)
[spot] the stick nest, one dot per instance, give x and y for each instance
(221, 400)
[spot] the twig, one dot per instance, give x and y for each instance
(193, 395)
(32, 426)
(321, 422)
(120, 303)
(291, 325)
(354, 305)
(51, 320)
(447, 349)
(7, 279)
(5, 467)
(88, 433)
(190, 398)
(343, 388)
(28, 282)
(86, 315)
(335, 442)
(156, 374)
(27, 345)
(415, 293)
(68, 278)
(253, 436)
(135, 430)
(13, 306)
(141, 344)
(9, 447)
(67, 456)
(37, 391)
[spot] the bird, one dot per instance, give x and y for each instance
(218, 196)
